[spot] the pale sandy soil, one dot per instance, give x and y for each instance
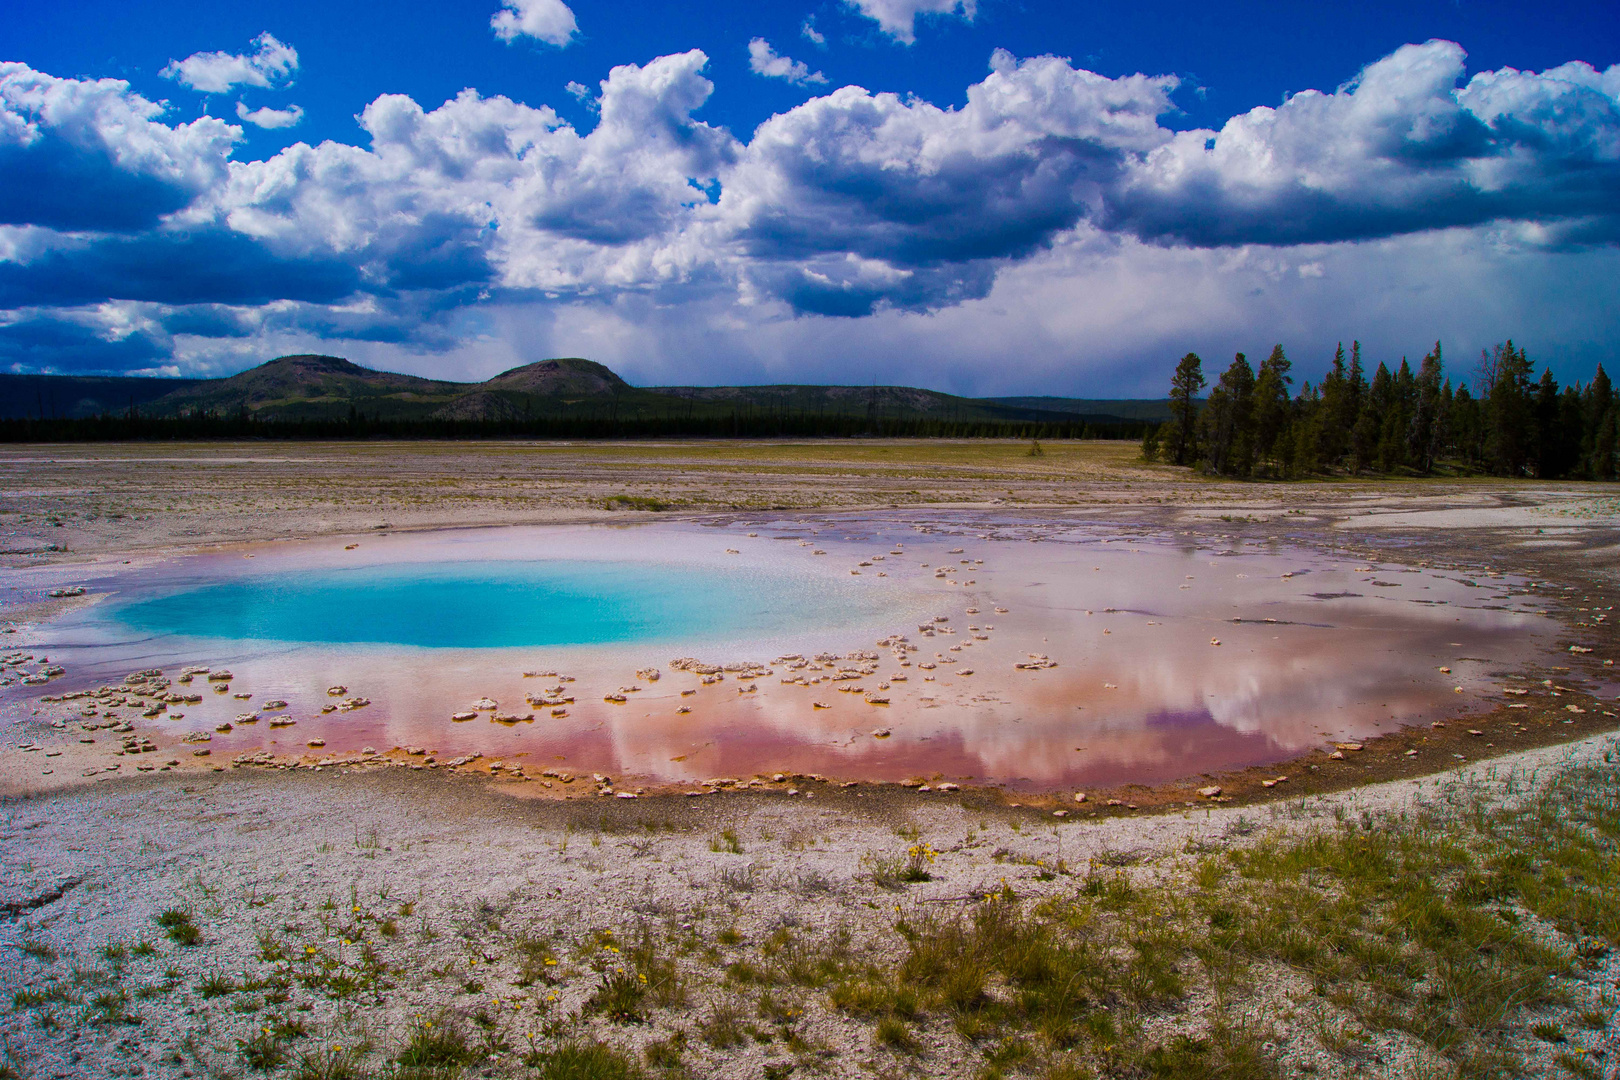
(472, 878)
(299, 855)
(136, 497)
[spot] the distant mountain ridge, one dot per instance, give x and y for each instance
(316, 387)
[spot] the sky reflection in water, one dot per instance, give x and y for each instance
(1154, 678)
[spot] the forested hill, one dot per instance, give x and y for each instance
(321, 389)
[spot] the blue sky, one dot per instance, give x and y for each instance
(985, 198)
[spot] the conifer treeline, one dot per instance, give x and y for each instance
(753, 424)
(1509, 424)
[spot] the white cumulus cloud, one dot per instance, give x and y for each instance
(763, 60)
(811, 34)
(855, 199)
(489, 193)
(217, 72)
(898, 18)
(270, 118)
(90, 154)
(1404, 147)
(551, 21)
(1051, 214)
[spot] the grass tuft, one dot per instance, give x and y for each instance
(893, 1032)
(723, 1027)
(39, 950)
(581, 1061)
(439, 1042)
(177, 924)
(263, 1052)
(619, 998)
(665, 1053)
(216, 985)
(330, 1063)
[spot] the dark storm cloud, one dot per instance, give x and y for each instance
(47, 343)
(209, 266)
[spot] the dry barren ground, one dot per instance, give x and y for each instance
(127, 497)
(354, 923)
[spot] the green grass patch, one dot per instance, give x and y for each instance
(723, 1027)
(439, 1042)
(330, 1063)
(635, 502)
(894, 1033)
(262, 1052)
(582, 1061)
(178, 926)
(217, 984)
(619, 997)
(52, 994)
(39, 950)
(665, 1053)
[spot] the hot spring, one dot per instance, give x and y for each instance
(978, 648)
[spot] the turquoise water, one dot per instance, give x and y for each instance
(493, 605)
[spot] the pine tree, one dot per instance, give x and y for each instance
(1546, 454)
(1605, 444)
(1181, 439)
(1598, 427)
(1355, 387)
(1331, 425)
(1506, 407)
(1307, 430)
(1426, 433)
(1445, 439)
(1272, 414)
(1570, 429)
(1225, 428)
(1150, 441)
(1395, 430)
(1369, 426)
(1466, 428)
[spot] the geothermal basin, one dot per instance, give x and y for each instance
(958, 647)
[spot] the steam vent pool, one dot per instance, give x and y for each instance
(971, 648)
